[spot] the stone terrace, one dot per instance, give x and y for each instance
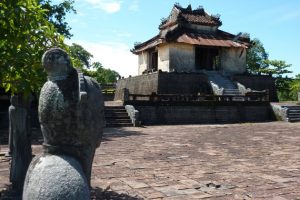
(241, 161)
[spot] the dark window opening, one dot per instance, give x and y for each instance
(154, 58)
(207, 58)
(153, 61)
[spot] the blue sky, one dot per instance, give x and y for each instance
(109, 28)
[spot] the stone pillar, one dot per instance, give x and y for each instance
(19, 140)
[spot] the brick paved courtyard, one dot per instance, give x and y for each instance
(241, 161)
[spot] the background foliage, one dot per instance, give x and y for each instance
(258, 63)
(25, 34)
(28, 29)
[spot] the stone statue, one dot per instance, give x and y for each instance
(19, 140)
(71, 114)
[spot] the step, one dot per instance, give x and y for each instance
(117, 110)
(231, 94)
(113, 115)
(293, 116)
(294, 119)
(114, 107)
(117, 116)
(293, 110)
(119, 124)
(119, 121)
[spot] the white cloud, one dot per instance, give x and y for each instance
(109, 6)
(134, 6)
(116, 56)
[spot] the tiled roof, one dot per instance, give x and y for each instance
(219, 39)
(189, 16)
(201, 19)
(172, 31)
(208, 40)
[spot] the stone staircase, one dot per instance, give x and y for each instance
(223, 82)
(293, 113)
(231, 92)
(117, 116)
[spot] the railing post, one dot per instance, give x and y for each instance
(152, 96)
(125, 94)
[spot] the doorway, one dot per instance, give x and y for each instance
(207, 58)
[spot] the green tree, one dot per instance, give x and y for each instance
(279, 70)
(81, 58)
(101, 74)
(256, 57)
(56, 14)
(258, 63)
(25, 35)
(295, 87)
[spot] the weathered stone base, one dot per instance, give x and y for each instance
(55, 177)
(163, 114)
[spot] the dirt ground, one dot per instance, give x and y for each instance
(230, 161)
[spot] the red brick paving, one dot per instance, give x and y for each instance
(241, 161)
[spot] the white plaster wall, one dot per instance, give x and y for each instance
(143, 60)
(163, 58)
(233, 60)
(182, 57)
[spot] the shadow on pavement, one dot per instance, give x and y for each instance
(96, 193)
(99, 193)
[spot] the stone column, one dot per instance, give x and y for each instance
(19, 130)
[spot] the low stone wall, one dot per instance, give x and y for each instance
(258, 82)
(183, 83)
(164, 83)
(157, 115)
(143, 84)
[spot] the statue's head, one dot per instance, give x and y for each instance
(56, 63)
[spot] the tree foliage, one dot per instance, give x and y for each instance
(102, 75)
(256, 57)
(56, 14)
(295, 87)
(25, 35)
(258, 63)
(81, 59)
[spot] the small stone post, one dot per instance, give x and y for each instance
(125, 94)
